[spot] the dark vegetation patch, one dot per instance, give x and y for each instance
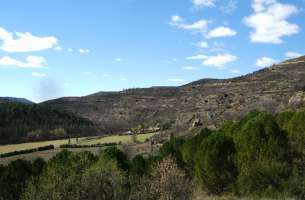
(14, 153)
(73, 146)
(24, 122)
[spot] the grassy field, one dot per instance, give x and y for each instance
(115, 138)
(81, 141)
(51, 153)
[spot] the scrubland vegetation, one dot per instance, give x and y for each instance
(260, 156)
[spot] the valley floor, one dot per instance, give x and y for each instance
(119, 139)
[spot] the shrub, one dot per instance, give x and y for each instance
(62, 178)
(14, 178)
(37, 166)
(295, 186)
(190, 147)
(138, 166)
(283, 119)
(169, 182)
(104, 181)
(296, 131)
(214, 166)
(173, 148)
(113, 153)
(262, 154)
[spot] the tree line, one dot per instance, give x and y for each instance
(260, 156)
(26, 151)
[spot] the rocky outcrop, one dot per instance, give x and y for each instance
(297, 100)
(208, 101)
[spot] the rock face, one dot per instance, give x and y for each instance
(208, 101)
(297, 100)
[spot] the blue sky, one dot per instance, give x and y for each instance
(57, 48)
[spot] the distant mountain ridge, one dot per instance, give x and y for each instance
(15, 100)
(208, 101)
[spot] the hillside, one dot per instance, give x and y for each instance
(15, 100)
(23, 122)
(208, 101)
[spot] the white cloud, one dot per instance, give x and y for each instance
(58, 48)
(70, 50)
(30, 62)
(176, 80)
(197, 57)
(221, 32)
(177, 19)
(291, 54)
(265, 62)
(269, 21)
(235, 71)
(219, 61)
(190, 68)
(124, 79)
(119, 59)
(84, 50)
(203, 3)
(203, 45)
(24, 42)
(198, 26)
(36, 74)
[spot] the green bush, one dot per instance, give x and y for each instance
(190, 147)
(214, 166)
(13, 179)
(262, 154)
(284, 118)
(62, 178)
(296, 131)
(173, 148)
(138, 166)
(105, 181)
(113, 153)
(295, 185)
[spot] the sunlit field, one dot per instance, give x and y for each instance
(81, 141)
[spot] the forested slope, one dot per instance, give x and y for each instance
(30, 122)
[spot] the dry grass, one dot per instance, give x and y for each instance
(82, 141)
(31, 145)
(116, 139)
(124, 139)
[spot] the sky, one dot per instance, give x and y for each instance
(55, 48)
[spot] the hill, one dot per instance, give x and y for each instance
(15, 100)
(24, 122)
(208, 102)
